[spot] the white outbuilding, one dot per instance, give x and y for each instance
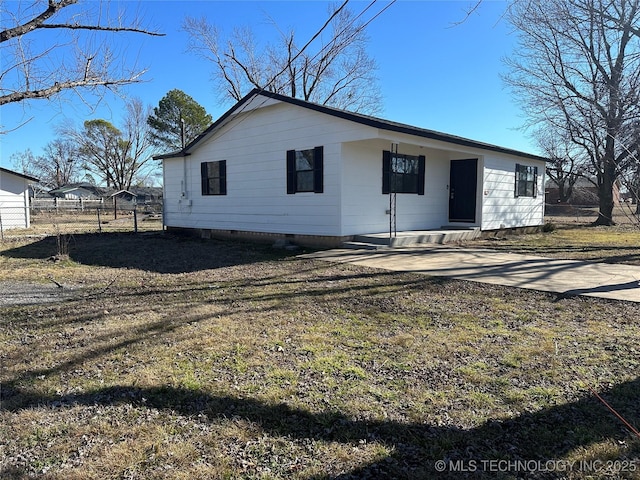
(279, 167)
(14, 199)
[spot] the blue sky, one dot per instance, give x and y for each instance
(433, 74)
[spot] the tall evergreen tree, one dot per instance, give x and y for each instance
(166, 120)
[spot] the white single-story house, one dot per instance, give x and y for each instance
(14, 199)
(275, 166)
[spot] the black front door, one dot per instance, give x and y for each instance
(463, 183)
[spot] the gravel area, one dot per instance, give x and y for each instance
(27, 293)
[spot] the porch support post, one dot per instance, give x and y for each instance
(392, 196)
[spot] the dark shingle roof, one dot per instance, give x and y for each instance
(354, 117)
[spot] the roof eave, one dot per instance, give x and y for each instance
(164, 156)
(27, 177)
(401, 128)
(214, 126)
(354, 117)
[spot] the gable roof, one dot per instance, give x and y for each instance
(351, 116)
(11, 172)
(123, 192)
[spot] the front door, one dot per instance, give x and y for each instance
(463, 183)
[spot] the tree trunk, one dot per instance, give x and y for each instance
(564, 192)
(605, 193)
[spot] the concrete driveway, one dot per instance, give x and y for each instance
(564, 277)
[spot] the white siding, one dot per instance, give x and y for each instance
(364, 205)
(254, 146)
(174, 205)
(14, 201)
(500, 207)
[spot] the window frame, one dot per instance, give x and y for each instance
(219, 178)
(304, 173)
(391, 178)
(316, 171)
(526, 181)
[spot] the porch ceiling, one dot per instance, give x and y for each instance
(416, 148)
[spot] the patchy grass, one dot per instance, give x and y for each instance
(599, 244)
(167, 357)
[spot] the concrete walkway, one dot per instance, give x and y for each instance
(565, 277)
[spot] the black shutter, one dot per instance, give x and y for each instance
(421, 168)
(291, 171)
(535, 182)
(386, 171)
(515, 191)
(204, 178)
(223, 177)
(318, 169)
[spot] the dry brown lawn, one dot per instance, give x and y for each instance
(167, 357)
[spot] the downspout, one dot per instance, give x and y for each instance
(184, 160)
(27, 217)
(164, 198)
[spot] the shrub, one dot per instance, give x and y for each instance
(548, 227)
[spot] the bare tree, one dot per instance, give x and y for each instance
(139, 141)
(567, 163)
(577, 69)
(338, 72)
(630, 179)
(118, 156)
(59, 164)
(24, 162)
(74, 50)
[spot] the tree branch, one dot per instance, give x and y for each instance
(35, 22)
(54, 7)
(58, 87)
(102, 28)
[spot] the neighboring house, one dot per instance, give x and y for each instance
(585, 193)
(14, 199)
(147, 195)
(282, 167)
(77, 191)
(78, 194)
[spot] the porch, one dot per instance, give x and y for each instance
(447, 234)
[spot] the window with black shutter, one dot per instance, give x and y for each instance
(402, 173)
(305, 170)
(214, 177)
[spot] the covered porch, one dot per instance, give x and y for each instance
(445, 200)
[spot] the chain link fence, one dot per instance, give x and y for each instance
(70, 217)
(562, 213)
